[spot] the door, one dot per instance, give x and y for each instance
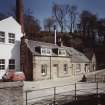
(55, 71)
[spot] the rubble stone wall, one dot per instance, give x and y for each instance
(11, 93)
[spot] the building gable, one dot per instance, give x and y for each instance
(10, 24)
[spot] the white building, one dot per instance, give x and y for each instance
(10, 34)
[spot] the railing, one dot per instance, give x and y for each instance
(65, 93)
(96, 78)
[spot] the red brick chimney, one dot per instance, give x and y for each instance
(20, 13)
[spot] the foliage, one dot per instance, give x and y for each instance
(2, 16)
(31, 24)
(59, 14)
(49, 24)
(72, 14)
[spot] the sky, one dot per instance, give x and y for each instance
(42, 8)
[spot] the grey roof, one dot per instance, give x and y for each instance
(76, 56)
(32, 44)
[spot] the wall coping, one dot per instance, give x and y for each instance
(11, 84)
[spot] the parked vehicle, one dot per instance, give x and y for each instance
(13, 75)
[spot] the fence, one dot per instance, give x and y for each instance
(62, 94)
(96, 78)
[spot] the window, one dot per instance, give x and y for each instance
(72, 69)
(62, 52)
(45, 51)
(2, 36)
(48, 51)
(44, 69)
(78, 67)
(11, 64)
(2, 64)
(65, 68)
(11, 38)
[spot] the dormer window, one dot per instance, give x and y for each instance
(62, 52)
(43, 51)
(46, 51)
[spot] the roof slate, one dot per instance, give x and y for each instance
(76, 56)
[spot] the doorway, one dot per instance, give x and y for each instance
(55, 71)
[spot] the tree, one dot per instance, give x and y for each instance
(32, 24)
(88, 27)
(2, 16)
(101, 30)
(59, 13)
(72, 13)
(49, 24)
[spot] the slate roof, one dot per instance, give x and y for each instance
(76, 56)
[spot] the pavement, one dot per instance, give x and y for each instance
(34, 85)
(30, 85)
(44, 89)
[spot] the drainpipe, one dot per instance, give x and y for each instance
(50, 67)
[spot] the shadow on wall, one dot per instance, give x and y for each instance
(15, 54)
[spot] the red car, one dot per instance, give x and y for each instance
(12, 75)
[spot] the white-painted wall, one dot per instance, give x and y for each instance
(9, 50)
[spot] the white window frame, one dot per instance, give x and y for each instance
(65, 68)
(11, 38)
(61, 52)
(43, 51)
(2, 37)
(11, 64)
(46, 51)
(2, 64)
(44, 69)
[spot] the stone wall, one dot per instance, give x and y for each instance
(11, 93)
(55, 67)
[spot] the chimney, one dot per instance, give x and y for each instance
(55, 35)
(20, 14)
(61, 42)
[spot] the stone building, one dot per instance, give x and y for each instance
(41, 61)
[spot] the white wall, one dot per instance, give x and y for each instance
(9, 50)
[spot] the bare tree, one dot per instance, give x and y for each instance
(49, 24)
(59, 13)
(72, 13)
(31, 23)
(88, 26)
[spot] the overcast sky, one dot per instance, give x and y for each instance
(42, 8)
